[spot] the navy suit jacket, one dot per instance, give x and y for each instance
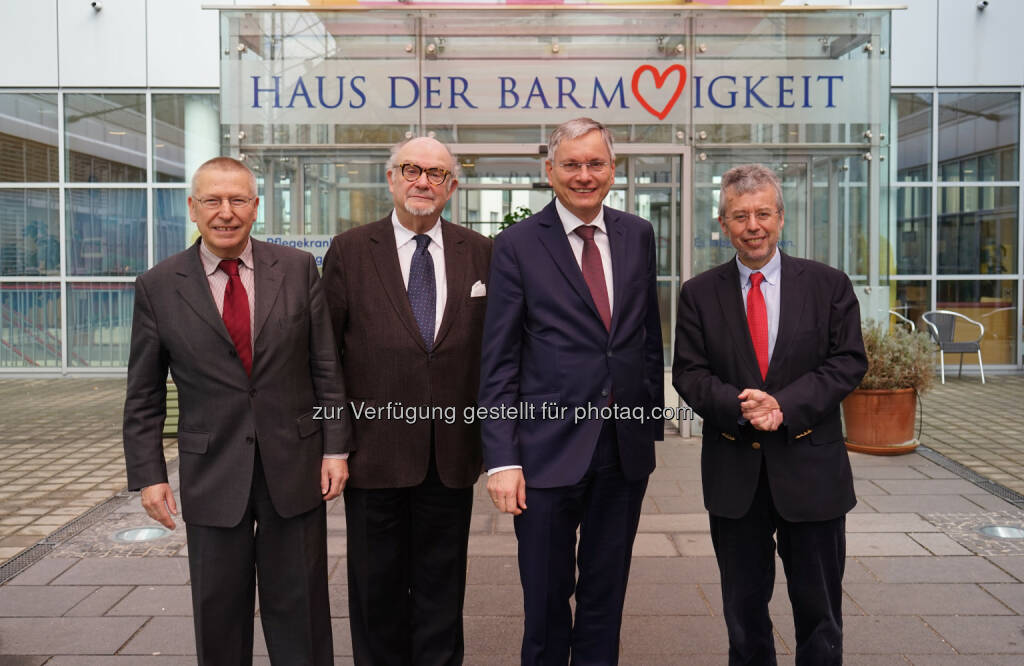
(818, 359)
(544, 342)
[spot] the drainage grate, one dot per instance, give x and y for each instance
(27, 558)
(968, 474)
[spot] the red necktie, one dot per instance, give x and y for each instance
(593, 274)
(757, 320)
(236, 313)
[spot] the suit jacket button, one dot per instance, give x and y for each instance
(249, 440)
(609, 354)
(252, 393)
(755, 445)
(604, 393)
(232, 353)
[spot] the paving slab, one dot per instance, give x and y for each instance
(495, 600)
(921, 503)
(1011, 594)
(155, 600)
(935, 570)
(888, 522)
(64, 635)
(871, 544)
(126, 571)
(894, 635)
(35, 601)
(981, 635)
(939, 544)
(673, 570)
(666, 599)
(494, 570)
(676, 635)
(925, 598)
(44, 571)
(100, 601)
(654, 545)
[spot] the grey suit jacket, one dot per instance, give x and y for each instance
(224, 414)
(385, 360)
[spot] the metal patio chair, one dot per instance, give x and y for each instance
(901, 320)
(942, 325)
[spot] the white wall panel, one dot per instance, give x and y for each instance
(183, 46)
(914, 43)
(104, 48)
(980, 48)
(28, 48)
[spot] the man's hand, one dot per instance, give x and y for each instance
(507, 489)
(761, 409)
(158, 501)
(333, 475)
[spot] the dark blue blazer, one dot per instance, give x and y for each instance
(818, 359)
(544, 343)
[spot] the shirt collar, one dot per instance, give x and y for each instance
(404, 235)
(770, 271)
(211, 262)
(570, 221)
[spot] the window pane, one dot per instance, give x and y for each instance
(106, 231)
(977, 230)
(992, 303)
(28, 138)
(975, 126)
(29, 232)
(914, 147)
(656, 205)
(30, 325)
(99, 323)
(186, 133)
(911, 299)
(910, 233)
(106, 138)
(172, 227)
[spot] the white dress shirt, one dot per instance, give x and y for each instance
(771, 289)
(405, 240)
(570, 222)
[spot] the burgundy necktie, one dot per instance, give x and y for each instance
(593, 274)
(757, 320)
(236, 313)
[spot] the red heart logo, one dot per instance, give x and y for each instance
(659, 81)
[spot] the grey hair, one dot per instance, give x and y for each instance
(574, 129)
(224, 164)
(390, 164)
(748, 178)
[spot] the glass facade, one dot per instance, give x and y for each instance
(83, 210)
(93, 183)
(955, 227)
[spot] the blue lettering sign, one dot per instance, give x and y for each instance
(563, 93)
(598, 90)
(508, 87)
(732, 93)
(459, 92)
(256, 90)
(752, 92)
(414, 90)
(300, 90)
(536, 91)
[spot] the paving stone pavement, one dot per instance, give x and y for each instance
(921, 585)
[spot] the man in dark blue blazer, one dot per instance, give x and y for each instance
(572, 352)
(767, 346)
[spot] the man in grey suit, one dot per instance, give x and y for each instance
(407, 299)
(243, 327)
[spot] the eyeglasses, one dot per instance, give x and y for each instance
(593, 166)
(763, 215)
(213, 203)
(435, 175)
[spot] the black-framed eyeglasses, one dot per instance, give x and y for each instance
(593, 166)
(435, 175)
(213, 203)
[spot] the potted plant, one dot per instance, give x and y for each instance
(879, 413)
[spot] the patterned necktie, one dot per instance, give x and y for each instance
(593, 274)
(422, 289)
(757, 321)
(236, 313)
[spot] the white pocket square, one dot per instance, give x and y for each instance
(478, 290)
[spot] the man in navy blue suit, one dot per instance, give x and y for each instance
(572, 339)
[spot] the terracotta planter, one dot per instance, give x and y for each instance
(880, 422)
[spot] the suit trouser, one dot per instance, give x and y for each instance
(605, 506)
(814, 557)
(289, 558)
(407, 572)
